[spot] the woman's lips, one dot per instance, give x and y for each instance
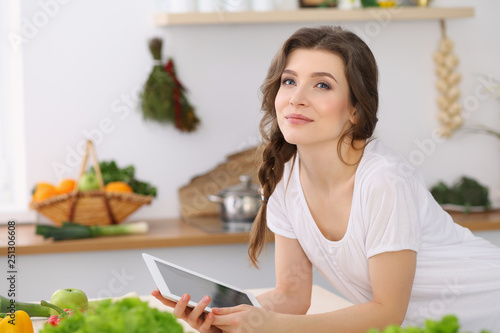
(297, 119)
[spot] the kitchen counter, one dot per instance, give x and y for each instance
(176, 233)
(162, 233)
(321, 301)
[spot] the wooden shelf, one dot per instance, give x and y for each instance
(313, 15)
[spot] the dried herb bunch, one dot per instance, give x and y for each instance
(163, 98)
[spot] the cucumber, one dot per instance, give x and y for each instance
(32, 309)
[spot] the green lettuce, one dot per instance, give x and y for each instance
(130, 315)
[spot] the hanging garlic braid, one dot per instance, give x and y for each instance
(362, 75)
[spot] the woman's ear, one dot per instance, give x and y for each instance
(354, 116)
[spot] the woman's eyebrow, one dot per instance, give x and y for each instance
(289, 71)
(316, 74)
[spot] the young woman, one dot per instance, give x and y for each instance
(341, 201)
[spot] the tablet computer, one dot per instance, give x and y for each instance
(173, 281)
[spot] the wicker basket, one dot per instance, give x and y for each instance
(91, 207)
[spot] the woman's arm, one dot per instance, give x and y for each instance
(292, 294)
(391, 274)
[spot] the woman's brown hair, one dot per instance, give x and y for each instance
(362, 75)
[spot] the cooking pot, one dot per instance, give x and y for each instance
(238, 203)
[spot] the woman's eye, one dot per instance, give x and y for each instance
(288, 81)
(323, 85)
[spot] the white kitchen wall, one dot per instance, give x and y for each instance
(85, 64)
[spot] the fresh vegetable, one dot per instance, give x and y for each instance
(112, 173)
(32, 309)
(70, 298)
(448, 324)
(440, 192)
(70, 230)
(465, 192)
(93, 304)
(19, 322)
(129, 315)
(370, 3)
(54, 320)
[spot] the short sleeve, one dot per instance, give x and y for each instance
(277, 220)
(392, 215)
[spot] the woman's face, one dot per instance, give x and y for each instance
(312, 104)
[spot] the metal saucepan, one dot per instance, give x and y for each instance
(238, 203)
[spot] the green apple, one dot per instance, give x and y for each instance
(88, 182)
(70, 298)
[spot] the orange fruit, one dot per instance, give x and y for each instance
(118, 187)
(44, 191)
(65, 186)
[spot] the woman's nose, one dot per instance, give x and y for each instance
(298, 98)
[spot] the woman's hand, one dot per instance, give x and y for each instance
(245, 319)
(195, 317)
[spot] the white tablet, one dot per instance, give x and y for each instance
(174, 281)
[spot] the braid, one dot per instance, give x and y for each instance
(274, 156)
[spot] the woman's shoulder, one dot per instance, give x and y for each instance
(380, 165)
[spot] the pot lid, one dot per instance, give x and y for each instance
(244, 188)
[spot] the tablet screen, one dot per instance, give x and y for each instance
(180, 283)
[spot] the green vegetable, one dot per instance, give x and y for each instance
(328, 3)
(112, 173)
(70, 230)
(465, 192)
(440, 192)
(370, 3)
(129, 315)
(32, 309)
(448, 324)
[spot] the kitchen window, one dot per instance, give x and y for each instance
(13, 194)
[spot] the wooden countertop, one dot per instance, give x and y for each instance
(162, 233)
(478, 221)
(175, 233)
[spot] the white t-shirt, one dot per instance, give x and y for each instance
(392, 209)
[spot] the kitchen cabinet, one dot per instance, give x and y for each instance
(314, 15)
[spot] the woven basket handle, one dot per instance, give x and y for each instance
(89, 149)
